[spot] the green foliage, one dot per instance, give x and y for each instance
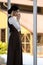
(3, 47)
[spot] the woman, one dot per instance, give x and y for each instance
(14, 56)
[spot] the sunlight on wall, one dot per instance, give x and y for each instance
(24, 30)
(3, 19)
(3, 22)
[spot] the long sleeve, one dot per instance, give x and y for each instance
(15, 23)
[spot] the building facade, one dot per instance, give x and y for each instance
(26, 21)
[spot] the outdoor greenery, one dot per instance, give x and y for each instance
(3, 47)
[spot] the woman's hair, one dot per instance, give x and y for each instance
(13, 8)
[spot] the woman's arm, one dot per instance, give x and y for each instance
(15, 23)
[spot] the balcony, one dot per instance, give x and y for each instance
(25, 2)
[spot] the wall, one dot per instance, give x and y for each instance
(3, 21)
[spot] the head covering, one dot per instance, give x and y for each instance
(13, 8)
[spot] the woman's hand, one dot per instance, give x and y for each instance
(18, 16)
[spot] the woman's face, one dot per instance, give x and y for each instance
(16, 13)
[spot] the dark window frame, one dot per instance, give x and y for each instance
(3, 32)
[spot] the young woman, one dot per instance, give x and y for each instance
(14, 56)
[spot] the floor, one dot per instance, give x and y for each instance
(27, 59)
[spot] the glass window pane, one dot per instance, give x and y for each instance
(3, 35)
(28, 48)
(23, 48)
(28, 38)
(22, 37)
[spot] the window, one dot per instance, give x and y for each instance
(40, 10)
(28, 38)
(22, 37)
(25, 38)
(38, 38)
(3, 35)
(27, 47)
(23, 48)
